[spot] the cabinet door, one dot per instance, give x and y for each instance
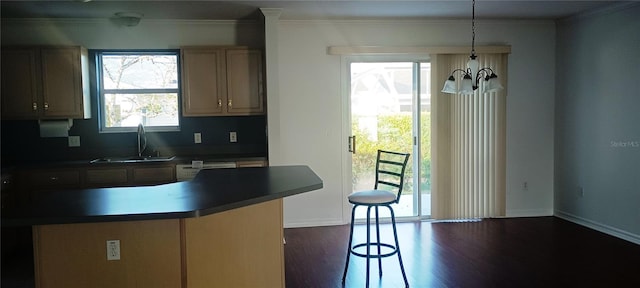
(54, 179)
(244, 82)
(106, 177)
(62, 83)
(154, 175)
(19, 83)
(203, 90)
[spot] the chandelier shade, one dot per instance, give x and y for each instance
(473, 74)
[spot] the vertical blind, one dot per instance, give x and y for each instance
(468, 152)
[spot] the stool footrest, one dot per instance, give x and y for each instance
(373, 247)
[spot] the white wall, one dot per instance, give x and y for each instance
(598, 113)
(311, 116)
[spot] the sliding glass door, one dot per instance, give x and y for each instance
(390, 110)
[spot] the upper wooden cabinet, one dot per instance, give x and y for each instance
(221, 81)
(244, 82)
(45, 83)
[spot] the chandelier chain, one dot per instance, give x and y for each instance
(473, 27)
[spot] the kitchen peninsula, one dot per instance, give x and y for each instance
(222, 229)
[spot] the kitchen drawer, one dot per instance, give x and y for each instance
(54, 178)
(115, 176)
(260, 163)
(154, 175)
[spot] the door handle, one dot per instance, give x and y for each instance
(352, 144)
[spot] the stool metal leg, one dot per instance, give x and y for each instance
(346, 266)
(378, 241)
(368, 243)
(395, 235)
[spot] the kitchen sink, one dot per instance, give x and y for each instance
(134, 159)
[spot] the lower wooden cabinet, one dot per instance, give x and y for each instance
(106, 176)
(95, 176)
(57, 178)
(153, 175)
(31, 184)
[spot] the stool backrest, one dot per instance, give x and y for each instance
(390, 168)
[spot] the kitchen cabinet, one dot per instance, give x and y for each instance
(45, 83)
(222, 81)
(94, 176)
(54, 178)
(153, 175)
(106, 177)
(42, 180)
(113, 175)
(244, 82)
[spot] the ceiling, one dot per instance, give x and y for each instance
(301, 9)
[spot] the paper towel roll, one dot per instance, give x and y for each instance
(55, 128)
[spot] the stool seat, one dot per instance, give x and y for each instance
(372, 197)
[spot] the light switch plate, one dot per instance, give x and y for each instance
(74, 141)
(233, 137)
(197, 138)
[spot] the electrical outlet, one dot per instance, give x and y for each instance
(233, 137)
(74, 141)
(197, 138)
(113, 249)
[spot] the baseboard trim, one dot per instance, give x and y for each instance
(313, 223)
(529, 213)
(599, 227)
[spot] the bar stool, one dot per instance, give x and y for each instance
(390, 168)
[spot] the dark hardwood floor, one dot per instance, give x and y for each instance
(517, 252)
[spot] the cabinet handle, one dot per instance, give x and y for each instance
(229, 103)
(53, 178)
(35, 106)
(219, 103)
(46, 106)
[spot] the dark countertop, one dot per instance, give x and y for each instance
(211, 191)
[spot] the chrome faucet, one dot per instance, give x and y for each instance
(142, 140)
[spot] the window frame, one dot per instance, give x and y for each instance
(101, 91)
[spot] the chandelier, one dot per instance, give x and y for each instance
(472, 76)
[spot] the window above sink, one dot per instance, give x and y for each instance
(138, 87)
